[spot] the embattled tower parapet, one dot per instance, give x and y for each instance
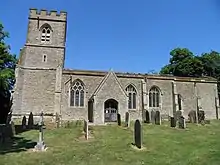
(45, 14)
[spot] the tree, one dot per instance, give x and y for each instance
(183, 63)
(7, 73)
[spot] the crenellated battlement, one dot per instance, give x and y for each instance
(45, 14)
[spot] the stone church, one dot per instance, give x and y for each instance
(42, 83)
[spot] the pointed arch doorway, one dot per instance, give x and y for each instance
(110, 110)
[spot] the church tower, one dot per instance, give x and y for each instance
(39, 70)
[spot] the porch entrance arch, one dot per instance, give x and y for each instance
(110, 110)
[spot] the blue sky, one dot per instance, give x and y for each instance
(126, 35)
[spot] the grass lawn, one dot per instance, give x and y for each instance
(111, 145)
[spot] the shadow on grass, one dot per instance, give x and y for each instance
(19, 129)
(16, 144)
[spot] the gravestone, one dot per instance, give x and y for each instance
(13, 129)
(30, 121)
(9, 116)
(57, 120)
(201, 116)
(178, 115)
(127, 119)
(192, 116)
(86, 129)
(23, 123)
(153, 114)
(172, 122)
(147, 116)
(157, 118)
(138, 134)
(119, 119)
(10, 130)
(40, 145)
(182, 123)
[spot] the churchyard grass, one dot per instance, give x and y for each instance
(111, 145)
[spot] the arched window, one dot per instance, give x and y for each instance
(46, 33)
(77, 94)
(154, 97)
(132, 97)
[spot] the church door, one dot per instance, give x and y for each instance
(110, 110)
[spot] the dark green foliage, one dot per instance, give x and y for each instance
(7, 75)
(184, 63)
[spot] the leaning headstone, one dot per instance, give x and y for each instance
(153, 115)
(182, 123)
(127, 119)
(40, 145)
(172, 122)
(30, 121)
(157, 118)
(119, 119)
(86, 129)
(138, 134)
(23, 123)
(147, 116)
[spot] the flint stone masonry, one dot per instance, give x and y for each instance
(42, 85)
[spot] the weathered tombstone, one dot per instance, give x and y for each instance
(157, 118)
(172, 122)
(30, 121)
(192, 116)
(147, 116)
(40, 145)
(178, 115)
(201, 116)
(10, 130)
(119, 119)
(13, 128)
(153, 114)
(182, 123)
(138, 134)
(127, 119)
(86, 129)
(57, 120)
(23, 123)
